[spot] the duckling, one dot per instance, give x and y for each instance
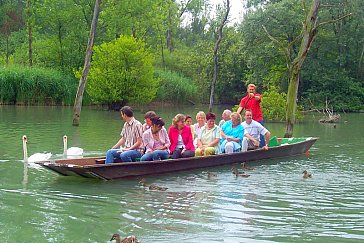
(142, 182)
(129, 239)
(246, 167)
(151, 186)
(158, 188)
(306, 175)
(237, 173)
(211, 174)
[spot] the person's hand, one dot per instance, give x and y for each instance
(265, 147)
(256, 143)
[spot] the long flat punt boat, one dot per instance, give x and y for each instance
(95, 167)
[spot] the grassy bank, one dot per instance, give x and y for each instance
(23, 85)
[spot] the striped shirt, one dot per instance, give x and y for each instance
(131, 131)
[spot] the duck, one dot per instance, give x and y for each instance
(34, 157)
(211, 174)
(128, 239)
(237, 173)
(151, 186)
(246, 167)
(306, 175)
(72, 151)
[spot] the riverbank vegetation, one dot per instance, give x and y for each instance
(180, 36)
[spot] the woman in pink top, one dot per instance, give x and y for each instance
(156, 141)
(181, 138)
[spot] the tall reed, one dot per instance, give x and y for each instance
(36, 86)
(175, 88)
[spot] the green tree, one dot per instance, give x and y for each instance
(122, 72)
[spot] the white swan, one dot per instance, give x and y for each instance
(72, 151)
(35, 157)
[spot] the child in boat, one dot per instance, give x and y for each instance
(156, 141)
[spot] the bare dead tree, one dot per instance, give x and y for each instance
(86, 68)
(216, 56)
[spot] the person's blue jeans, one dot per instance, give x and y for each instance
(126, 156)
(156, 155)
(262, 139)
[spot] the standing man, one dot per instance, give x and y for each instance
(252, 102)
(131, 139)
(253, 130)
(226, 116)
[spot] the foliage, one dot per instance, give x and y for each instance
(334, 67)
(175, 88)
(122, 72)
(35, 86)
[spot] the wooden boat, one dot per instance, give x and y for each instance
(94, 167)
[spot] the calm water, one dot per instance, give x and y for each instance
(273, 205)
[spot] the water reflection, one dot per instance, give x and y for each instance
(274, 204)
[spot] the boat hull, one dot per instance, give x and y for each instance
(89, 167)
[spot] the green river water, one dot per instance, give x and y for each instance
(275, 204)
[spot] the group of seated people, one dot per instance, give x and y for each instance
(151, 141)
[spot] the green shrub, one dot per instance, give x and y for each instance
(174, 87)
(122, 72)
(36, 86)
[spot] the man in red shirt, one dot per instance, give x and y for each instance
(252, 102)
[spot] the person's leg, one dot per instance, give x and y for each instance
(130, 155)
(147, 157)
(229, 147)
(176, 153)
(210, 151)
(187, 154)
(244, 146)
(262, 139)
(198, 152)
(111, 154)
(160, 154)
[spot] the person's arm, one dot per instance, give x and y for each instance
(257, 97)
(146, 143)
(136, 145)
(223, 135)
(119, 143)
(239, 109)
(267, 138)
(214, 143)
(255, 142)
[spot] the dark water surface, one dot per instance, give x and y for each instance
(273, 205)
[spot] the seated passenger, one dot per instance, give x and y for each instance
(209, 139)
(181, 138)
(156, 141)
(147, 120)
(189, 123)
(253, 132)
(131, 139)
(201, 121)
(232, 133)
(225, 117)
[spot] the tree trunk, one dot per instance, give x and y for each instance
(7, 50)
(309, 34)
(30, 38)
(216, 57)
(86, 68)
(169, 43)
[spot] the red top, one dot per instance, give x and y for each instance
(253, 105)
(186, 137)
